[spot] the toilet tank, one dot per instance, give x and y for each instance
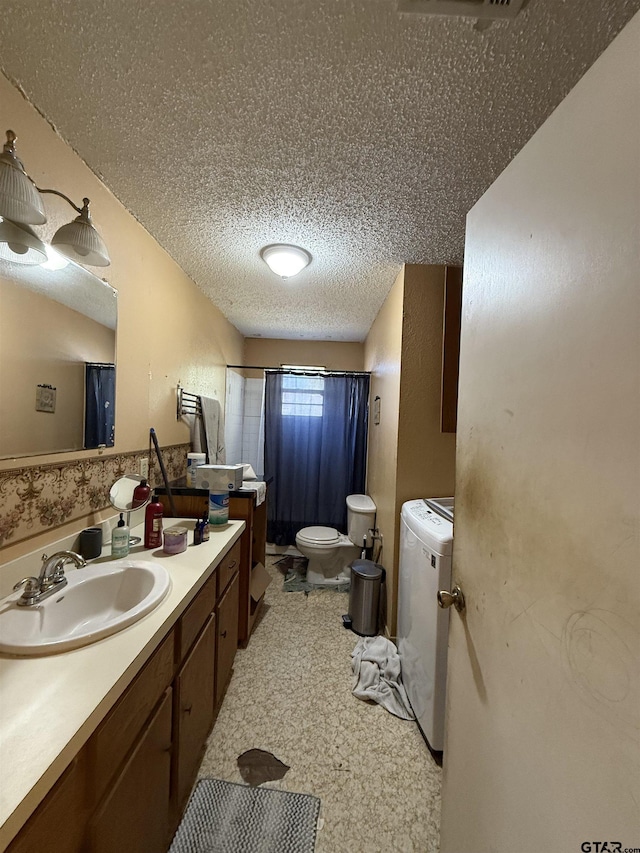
(361, 516)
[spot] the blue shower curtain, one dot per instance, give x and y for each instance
(315, 449)
(99, 408)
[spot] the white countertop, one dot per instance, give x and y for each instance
(50, 705)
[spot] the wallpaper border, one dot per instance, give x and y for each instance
(36, 498)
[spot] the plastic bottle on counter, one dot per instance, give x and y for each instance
(153, 524)
(206, 530)
(120, 539)
(140, 494)
(218, 508)
(194, 460)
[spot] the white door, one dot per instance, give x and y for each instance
(543, 706)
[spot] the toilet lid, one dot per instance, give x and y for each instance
(319, 535)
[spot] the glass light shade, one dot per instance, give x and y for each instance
(20, 200)
(284, 259)
(20, 245)
(55, 261)
(80, 241)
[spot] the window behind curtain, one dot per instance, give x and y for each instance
(315, 449)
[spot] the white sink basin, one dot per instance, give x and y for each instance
(99, 600)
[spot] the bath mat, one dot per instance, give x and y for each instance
(224, 817)
(294, 570)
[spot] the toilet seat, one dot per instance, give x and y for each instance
(319, 536)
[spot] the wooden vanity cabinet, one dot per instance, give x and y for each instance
(192, 503)
(128, 786)
(194, 707)
(227, 639)
(134, 816)
(61, 817)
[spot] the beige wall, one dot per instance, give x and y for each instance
(44, 342)
(426, 456)
(272, 352)
(408, 455)
(383, 356)
(167, 329)
(543, 696)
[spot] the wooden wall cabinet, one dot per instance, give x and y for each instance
(128, 786)
(451, 328)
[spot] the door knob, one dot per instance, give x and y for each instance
(455, 597)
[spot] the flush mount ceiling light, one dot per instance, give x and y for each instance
(21, 201)
(20, 245)
(284, 259)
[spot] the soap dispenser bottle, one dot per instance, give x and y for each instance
(153, 523)
(120, 539)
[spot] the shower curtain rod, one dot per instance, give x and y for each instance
(302, 371)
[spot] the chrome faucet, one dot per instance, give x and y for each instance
(51, 579)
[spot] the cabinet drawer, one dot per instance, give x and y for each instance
(118, 732)
(196, 615)
(227, 567)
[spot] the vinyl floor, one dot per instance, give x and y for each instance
(290, 695)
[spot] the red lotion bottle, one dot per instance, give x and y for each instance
(140, 494)
(153, 524)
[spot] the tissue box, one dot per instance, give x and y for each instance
(218, 478)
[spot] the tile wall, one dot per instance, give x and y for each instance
(253, 425)
(234, 414)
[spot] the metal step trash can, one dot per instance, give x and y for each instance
(364, 597)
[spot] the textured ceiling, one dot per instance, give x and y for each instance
(363, 135)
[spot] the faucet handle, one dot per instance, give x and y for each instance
(26, 583)
(31, 588)
(57, 574)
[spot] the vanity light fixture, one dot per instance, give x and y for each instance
(21, 201)
(285, 259)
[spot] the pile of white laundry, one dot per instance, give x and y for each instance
(377, 676)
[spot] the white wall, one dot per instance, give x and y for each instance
(544, 703)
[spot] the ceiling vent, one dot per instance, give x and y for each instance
(480, 9)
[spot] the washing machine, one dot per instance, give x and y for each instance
(426, 544)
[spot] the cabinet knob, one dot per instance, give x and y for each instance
(223, 634)
(187, 710)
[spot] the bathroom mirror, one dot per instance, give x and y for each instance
(57, 339)
(121, 493)
(121, 498)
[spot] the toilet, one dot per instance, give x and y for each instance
(330, 553)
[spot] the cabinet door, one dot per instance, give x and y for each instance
(227, 636)
(194, 707)
(61, 818)
(228, 567)
(135, 813)
(112, 742)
